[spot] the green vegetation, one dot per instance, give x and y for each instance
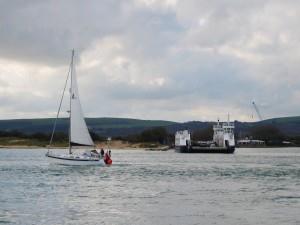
(104, 127)
(17, 138)
(272, 135)
(36, 132)
(109, 123)
(157, 135)
(266, 133)
(282, 120)
(152, 137)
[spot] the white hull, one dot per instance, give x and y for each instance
(74, 160)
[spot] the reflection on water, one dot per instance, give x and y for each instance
(253, 186)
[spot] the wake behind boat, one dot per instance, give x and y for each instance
(79, 136)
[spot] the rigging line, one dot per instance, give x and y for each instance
(61, 100)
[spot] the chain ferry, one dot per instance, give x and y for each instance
(223, 141)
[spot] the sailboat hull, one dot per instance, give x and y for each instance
(74, 160)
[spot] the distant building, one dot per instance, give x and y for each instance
(288, 143)
(250, 143)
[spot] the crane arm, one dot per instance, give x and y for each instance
(257, 111)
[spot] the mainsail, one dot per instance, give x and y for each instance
(79, 134)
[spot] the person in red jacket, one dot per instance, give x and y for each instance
(107, 159)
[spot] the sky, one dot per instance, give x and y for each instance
(178, 60)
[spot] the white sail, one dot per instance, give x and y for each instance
(79, 134)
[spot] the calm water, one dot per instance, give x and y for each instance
(253, 186)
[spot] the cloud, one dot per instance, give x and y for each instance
(174, 60)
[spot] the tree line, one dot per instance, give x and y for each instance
(268, 133)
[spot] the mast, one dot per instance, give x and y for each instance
(228, 119)
(71, 93)
(59, 108)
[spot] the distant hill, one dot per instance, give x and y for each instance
(101, 126)
(289, 126)
(122, 127)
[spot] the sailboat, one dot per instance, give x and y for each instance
(79, 136)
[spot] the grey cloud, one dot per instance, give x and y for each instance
(209, 53)
(43, 31)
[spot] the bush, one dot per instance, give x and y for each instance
(268, 133)
(158, 134)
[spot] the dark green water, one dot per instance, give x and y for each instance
(253, 186)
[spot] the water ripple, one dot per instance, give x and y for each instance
(251, 187)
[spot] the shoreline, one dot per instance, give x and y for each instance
(64, 148)
(115, 144)
(162, 148)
